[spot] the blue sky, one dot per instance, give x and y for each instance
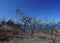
(36, 8)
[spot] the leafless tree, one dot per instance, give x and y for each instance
(54, 32)
(10, 22)
(40, 24)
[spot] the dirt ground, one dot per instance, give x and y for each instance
(38, 38)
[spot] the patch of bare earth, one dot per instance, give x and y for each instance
(38, 38)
